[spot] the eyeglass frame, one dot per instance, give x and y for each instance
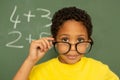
(91, 43)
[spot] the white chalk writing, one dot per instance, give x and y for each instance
(12, 43)
(16, 19)
(29, 15)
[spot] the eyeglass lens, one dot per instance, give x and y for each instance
(63, 47)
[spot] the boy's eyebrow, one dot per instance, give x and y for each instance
(81, 35)
(64, 35)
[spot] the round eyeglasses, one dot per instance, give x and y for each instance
(65, 47)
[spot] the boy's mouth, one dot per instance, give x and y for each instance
(71, 57)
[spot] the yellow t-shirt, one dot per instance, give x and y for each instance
(85, 69)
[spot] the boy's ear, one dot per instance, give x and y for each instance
(90, 40)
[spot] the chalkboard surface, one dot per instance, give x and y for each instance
(22, 21)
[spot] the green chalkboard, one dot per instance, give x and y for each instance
(22, 21)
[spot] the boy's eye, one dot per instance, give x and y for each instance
(81, 39)
(65, 40)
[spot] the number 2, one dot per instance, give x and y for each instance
(12, 43)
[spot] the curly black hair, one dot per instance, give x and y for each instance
(70, 13)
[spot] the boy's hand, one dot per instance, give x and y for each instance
(38, 48)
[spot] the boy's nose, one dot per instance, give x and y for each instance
(73, 47)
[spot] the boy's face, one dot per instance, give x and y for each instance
(72, 32)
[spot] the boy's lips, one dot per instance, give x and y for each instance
(71, 57)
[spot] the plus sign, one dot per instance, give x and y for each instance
(29, 38)
(29, 15)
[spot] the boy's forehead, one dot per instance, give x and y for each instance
(73, 27)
